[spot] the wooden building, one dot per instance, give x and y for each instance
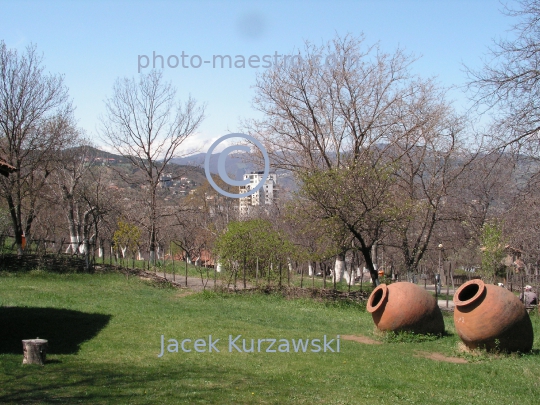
(6, 168)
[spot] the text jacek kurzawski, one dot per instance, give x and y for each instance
(238, 344)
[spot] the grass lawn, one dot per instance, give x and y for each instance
(104, 336)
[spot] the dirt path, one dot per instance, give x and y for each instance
(361, 339)
(440, 357)
(196, 284)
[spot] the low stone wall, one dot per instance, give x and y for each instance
(58, 263)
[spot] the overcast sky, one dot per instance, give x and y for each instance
(94, 42)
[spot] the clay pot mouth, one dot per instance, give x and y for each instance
(377, 298)
(469, 292)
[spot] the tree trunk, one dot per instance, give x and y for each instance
(72, 226)
(337, 274)
(16, 222)
(289, 270)
(366, 252)
(244, 269)
(349, 276)
(86, 252)
(257, 273)
(186, 269)
(34, 351)
(153, 226)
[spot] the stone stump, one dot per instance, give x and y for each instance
(34, 351)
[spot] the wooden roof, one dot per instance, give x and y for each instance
(6, 168)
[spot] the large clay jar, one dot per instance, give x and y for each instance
(405, 307)
(491, 317)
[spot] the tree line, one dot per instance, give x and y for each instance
(389, 172)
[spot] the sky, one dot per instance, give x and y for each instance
(92, 43)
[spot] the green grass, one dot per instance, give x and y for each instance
(443, 296)
(104, 338)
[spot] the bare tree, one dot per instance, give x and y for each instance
(326, 115)
(428, 176)
(78, 185)
(483, 190)
(72, 165)
(523, 228)
(346, 116)
(145, 124)
(34, 114)
(509, 85)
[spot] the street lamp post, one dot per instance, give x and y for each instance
(438, 278)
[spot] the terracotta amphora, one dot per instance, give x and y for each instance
(405, 306)
(491, 317)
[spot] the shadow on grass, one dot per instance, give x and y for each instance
(123, 383)
(63, 328)
(533, 352)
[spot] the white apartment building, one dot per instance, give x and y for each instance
(266, 195)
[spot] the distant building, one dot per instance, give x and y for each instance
(165, 181)
(513, 259)
(265, 196)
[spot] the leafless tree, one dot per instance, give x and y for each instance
(345, 116)
(522, 228)
(73, 163)
(508, 84)
(145, 124)
(429, 174)
(484, 190)
(34, 113)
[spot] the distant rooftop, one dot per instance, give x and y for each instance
(6, 168)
